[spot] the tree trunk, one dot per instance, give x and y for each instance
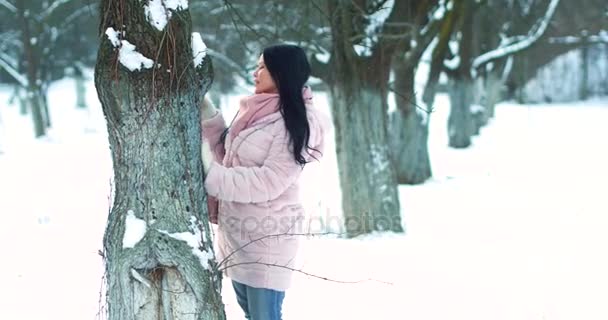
(460, 85)
(33, 89)
(584, 84)
(81, 93)
(168, 269)
(44, 103)
(33, 98)
(408, 130)
(358, 85)
(370, 199)
(460, 122)
(23, 101)
(81, 90)
(493, 89)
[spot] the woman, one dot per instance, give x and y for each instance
(253, 172)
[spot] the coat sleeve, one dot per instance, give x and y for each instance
(212, 130)
(256, 184)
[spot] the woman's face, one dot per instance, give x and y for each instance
(263, 80)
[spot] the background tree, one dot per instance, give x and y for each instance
(408, 126)
(40, 40)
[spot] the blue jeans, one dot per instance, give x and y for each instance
(259, 303)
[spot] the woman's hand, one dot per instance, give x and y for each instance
(207, 108)
(207, 156)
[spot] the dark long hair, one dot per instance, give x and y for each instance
(289, 69)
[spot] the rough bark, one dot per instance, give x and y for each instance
(370, 199)
(408, 130)
(154, 132)
(358, 89)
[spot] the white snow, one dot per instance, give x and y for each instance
(453, 63)
(199, 49)
(135, 230)
(132, 59)
(511, 48)
(127, 54)
(176, 4)
(372, 30)
(113, 36)
(159, 12)
(193, 239)
(513, 227)
(439, 12)
(157, 15)
(323, 57)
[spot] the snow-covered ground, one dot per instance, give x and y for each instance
(512, 228)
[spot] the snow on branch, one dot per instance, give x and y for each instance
(374, 28)
(8, 5)
(56, 4)
(5, 63)
(503, 51)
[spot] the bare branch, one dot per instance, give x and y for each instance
(303, 272)
(271, 236)
(230, 6)
(56, 4)
(403, 96)
(12, 69)
(8, 6)
(230, 63)
(504, 51)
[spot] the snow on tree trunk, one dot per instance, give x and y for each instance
(460, 122)
(358, 82)
(370, 199)
(157, 244)
(408, 131)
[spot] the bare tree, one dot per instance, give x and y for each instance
(151, 73)
(357, 73)
(408, 127)
(39, 39)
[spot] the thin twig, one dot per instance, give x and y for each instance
(390, 88)
(269, 236)
(305, 273)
